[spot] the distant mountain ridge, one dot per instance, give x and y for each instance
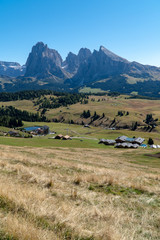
(101, 68)
(11, 69)
(104, 65)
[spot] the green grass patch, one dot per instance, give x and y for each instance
(91, 90)
(44, 142)
(118, 190)
(143, 159)
(6, 205)
(5, 236)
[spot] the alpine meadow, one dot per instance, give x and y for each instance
(79, 120)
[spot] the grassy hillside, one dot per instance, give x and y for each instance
(65, 193)
(137, 109)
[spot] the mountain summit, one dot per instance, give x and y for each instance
(111, 55)
(73, 61)
(44, 63)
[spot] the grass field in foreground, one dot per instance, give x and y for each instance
(66, 193)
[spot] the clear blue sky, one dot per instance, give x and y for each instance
(129, 28)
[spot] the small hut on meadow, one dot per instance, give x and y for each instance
(60, 136)
(66, 137)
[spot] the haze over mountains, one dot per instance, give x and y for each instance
(103, 69)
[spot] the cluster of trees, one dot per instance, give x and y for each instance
(87, 114)
(150, 120)
(143, 97)
(12, 117)
(134, 126)
(122, 113)
(10, 122)
(113, 94)
(59, 101)
(32, 94)
(27, 95)
(85, 101)
(95, 117)
(152, 123)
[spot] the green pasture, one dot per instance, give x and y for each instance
(48, 143)
(91, 90)
(94, 132)
(84, 137)
(87, 138)
(142, 157)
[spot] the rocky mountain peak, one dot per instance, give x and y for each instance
(112, 55)
(43, 61)
(84, 54)
(40, 45)
(41, 50)
(73, 61)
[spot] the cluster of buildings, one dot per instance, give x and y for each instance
(119, 142)
(124, 142)
(13, 133)
(37, 130)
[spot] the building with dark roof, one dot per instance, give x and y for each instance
(138, 140)
(60, 136)
(107, 142)
(126, 145)
(121, 139)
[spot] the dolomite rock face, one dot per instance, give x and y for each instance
(44, 62)
(73, 61)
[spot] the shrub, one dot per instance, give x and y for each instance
(150, 141)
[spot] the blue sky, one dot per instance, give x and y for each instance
(129, 28)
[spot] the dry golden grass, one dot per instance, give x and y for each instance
(21, 229)
(79, 194)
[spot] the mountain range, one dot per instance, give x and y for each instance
(102, 69)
